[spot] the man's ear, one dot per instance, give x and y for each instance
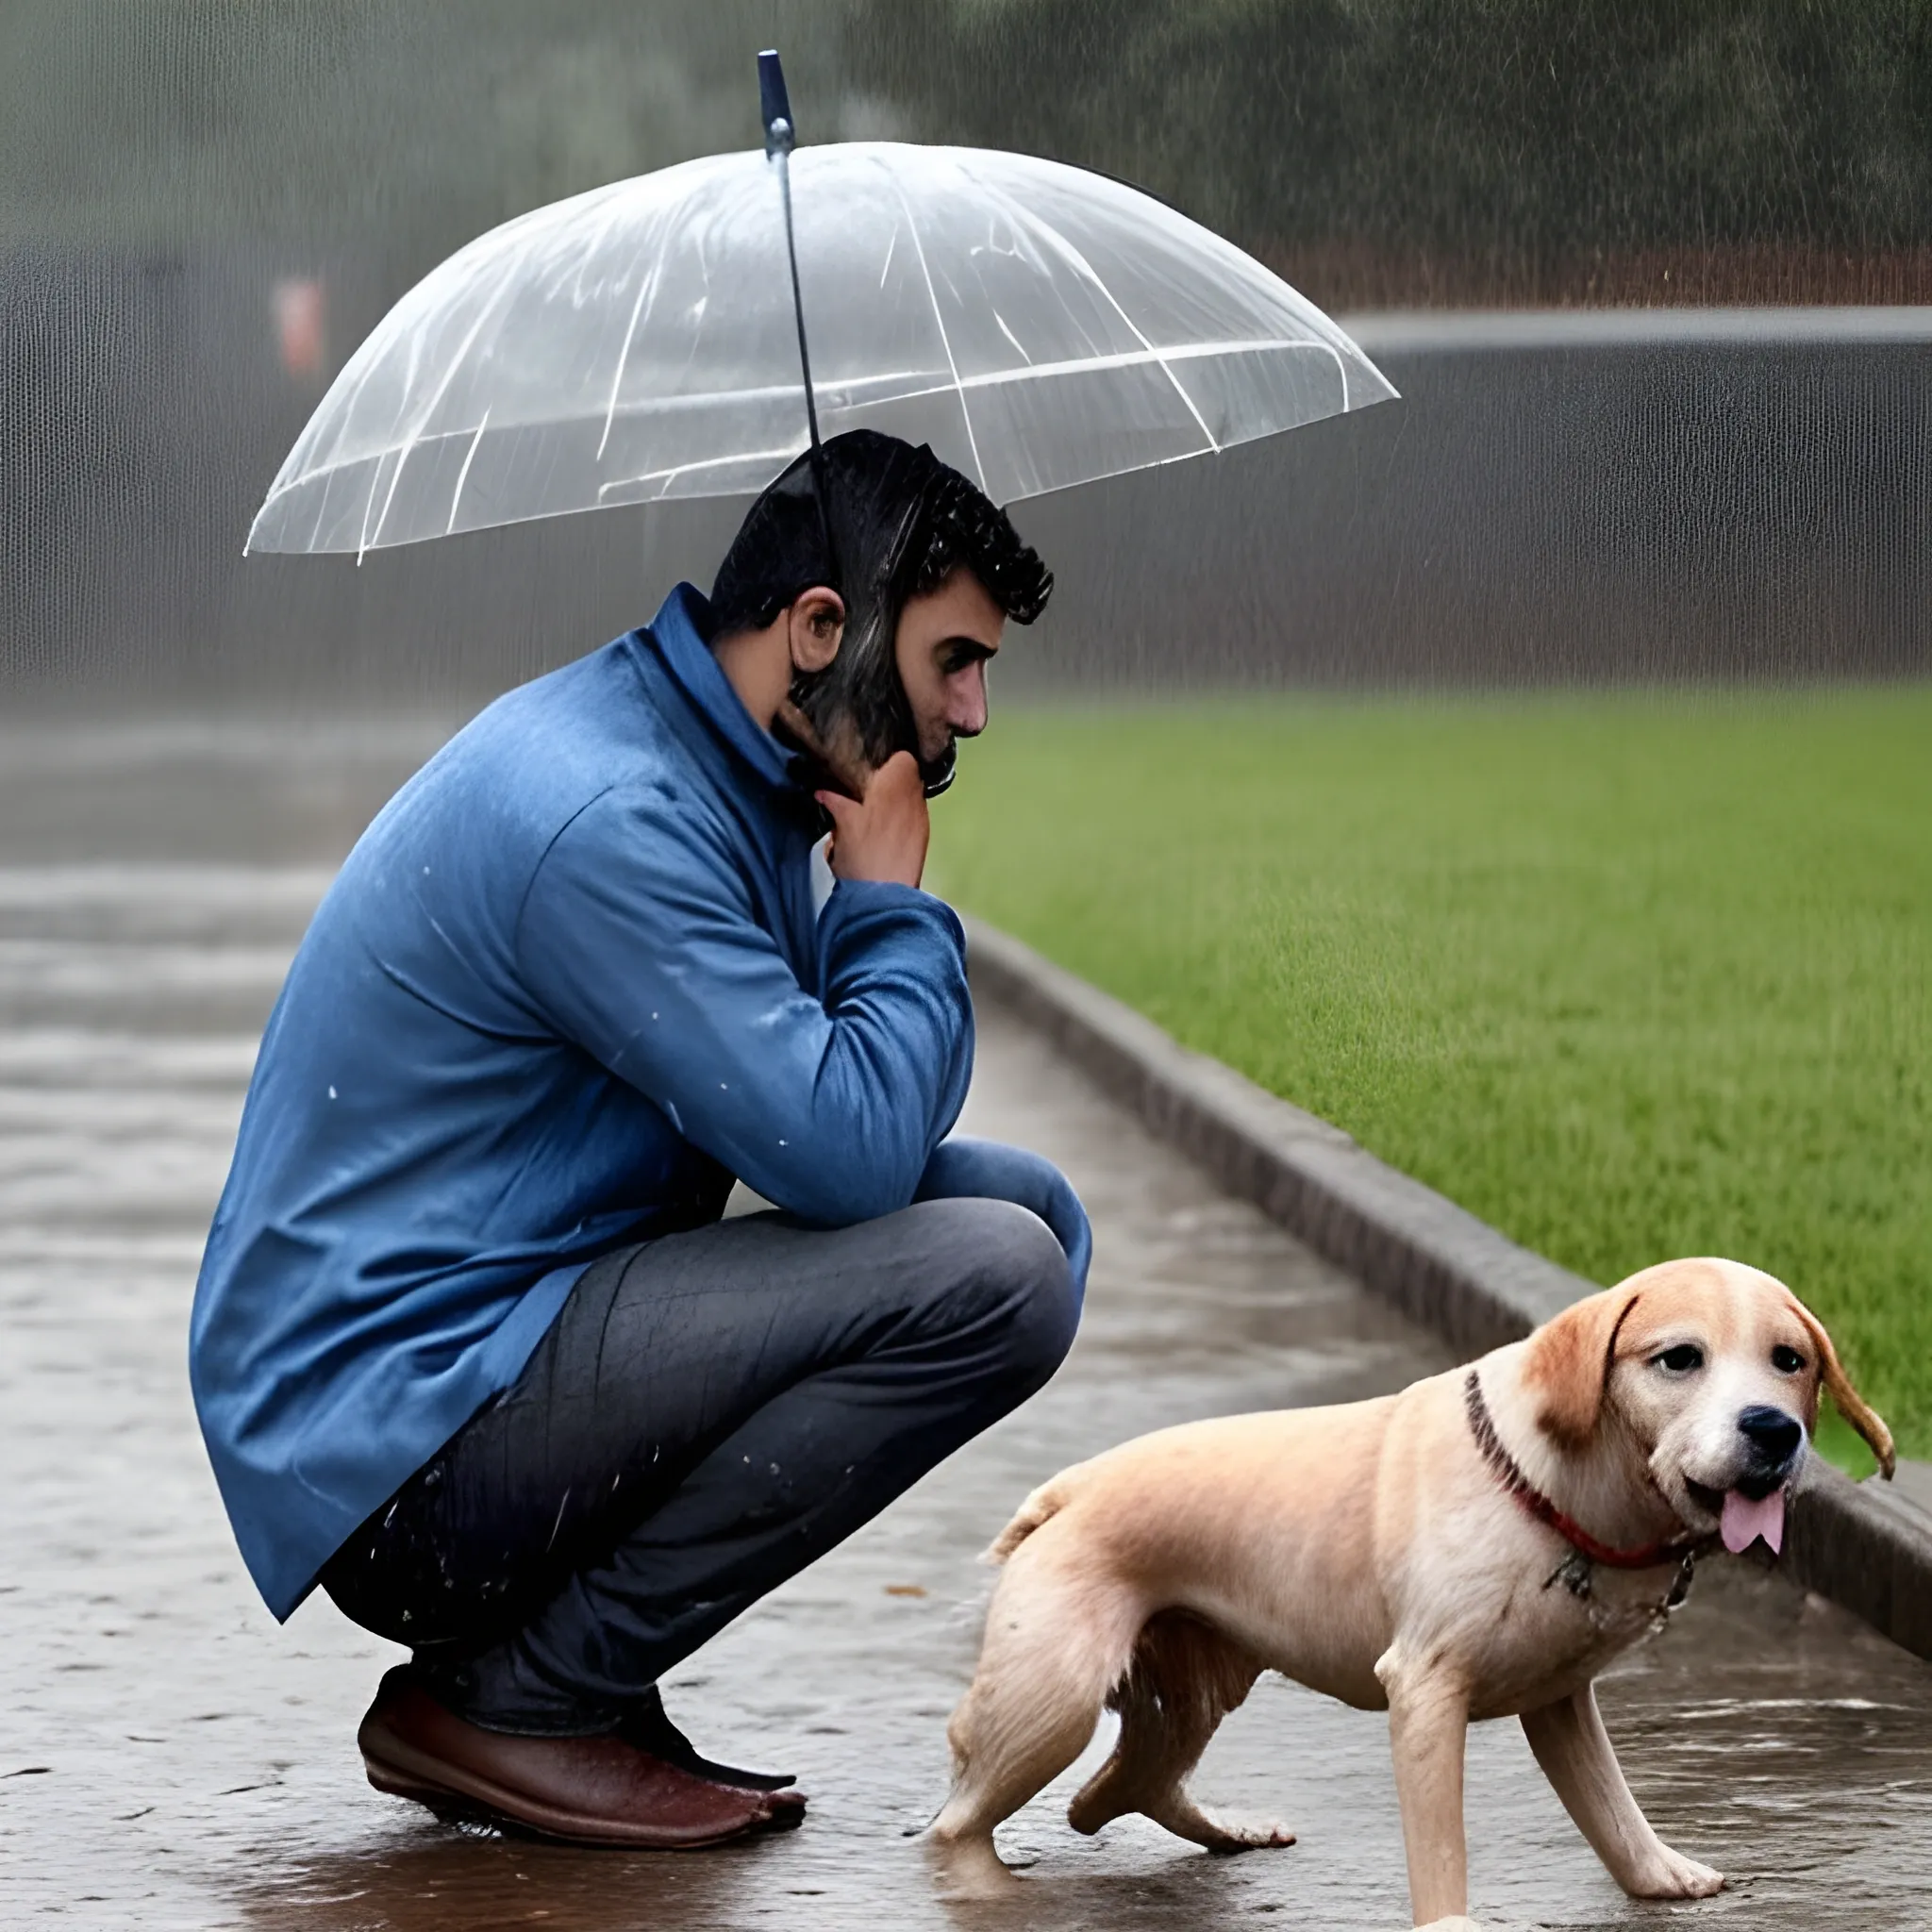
(1851, 1405)
(815, 625)
(1568, 1366)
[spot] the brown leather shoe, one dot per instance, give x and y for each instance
(649, 1728)
(584, 1790)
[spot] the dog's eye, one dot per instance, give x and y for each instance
(1679, 1360)
(1788, 1361)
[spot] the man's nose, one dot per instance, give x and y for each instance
(1774, 1434)
(966, 706)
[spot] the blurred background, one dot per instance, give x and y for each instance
(1645, 274)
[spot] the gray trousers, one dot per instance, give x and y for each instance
(709, 1413)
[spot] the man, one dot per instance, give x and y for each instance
(472, 1346)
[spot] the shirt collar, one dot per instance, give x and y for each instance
(681, 632)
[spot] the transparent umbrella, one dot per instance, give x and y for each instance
(1039, 325)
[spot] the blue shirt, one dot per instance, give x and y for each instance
(568, 985)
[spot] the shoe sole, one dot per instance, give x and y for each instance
(478, 1801)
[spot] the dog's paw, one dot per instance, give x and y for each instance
(1676, 1877)
(1215, 1830)
(968, 1868)
(1227, 1836)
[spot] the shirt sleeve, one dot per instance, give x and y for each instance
(638, 942)
(988, 1170)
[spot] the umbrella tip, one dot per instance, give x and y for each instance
(775, 105)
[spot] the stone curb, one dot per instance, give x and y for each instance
(1855, 1542)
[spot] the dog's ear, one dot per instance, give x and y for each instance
(1851, 1405)
(1568, 1366)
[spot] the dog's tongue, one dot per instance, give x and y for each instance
(1744, 1521)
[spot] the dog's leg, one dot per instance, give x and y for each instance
(1054, 1645)
(1428, 1726)
(1183, 1680)
(1575, 1751)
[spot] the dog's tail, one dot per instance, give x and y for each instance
(1048, 1499)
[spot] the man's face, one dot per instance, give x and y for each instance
(944, 640)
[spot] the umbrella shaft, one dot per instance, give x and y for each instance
(783, 157)
(811, 408)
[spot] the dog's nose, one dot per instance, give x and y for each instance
(1774, 1434)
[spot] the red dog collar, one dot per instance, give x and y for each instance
(1482, 1426)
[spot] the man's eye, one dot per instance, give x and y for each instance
(1787, 1361)
(1679, 1360)
(960, 654)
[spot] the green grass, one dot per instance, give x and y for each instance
(1628, 976)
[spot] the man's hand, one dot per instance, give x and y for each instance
(885, 837)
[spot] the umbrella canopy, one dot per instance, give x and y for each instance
(1039, 325)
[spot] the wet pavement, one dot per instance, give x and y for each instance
(170, 1757)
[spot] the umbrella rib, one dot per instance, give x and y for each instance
(648, 287)
(1028, 219)
(362, 536)
(945, 341)
(463, 475)
(758, 456)
(1127, 359)
(422, 416)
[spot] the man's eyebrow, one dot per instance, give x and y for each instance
(979, 647)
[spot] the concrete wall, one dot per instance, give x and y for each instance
(1560, 496)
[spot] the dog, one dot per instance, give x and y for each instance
(1480, 1545)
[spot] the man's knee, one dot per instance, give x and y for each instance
(1007, 1278)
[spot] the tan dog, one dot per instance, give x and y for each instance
(1480, 1545)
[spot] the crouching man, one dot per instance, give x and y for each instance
(472, 1346)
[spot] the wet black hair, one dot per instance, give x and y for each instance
(880, 521)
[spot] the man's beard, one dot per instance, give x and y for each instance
(863, 719)
(858, 704)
